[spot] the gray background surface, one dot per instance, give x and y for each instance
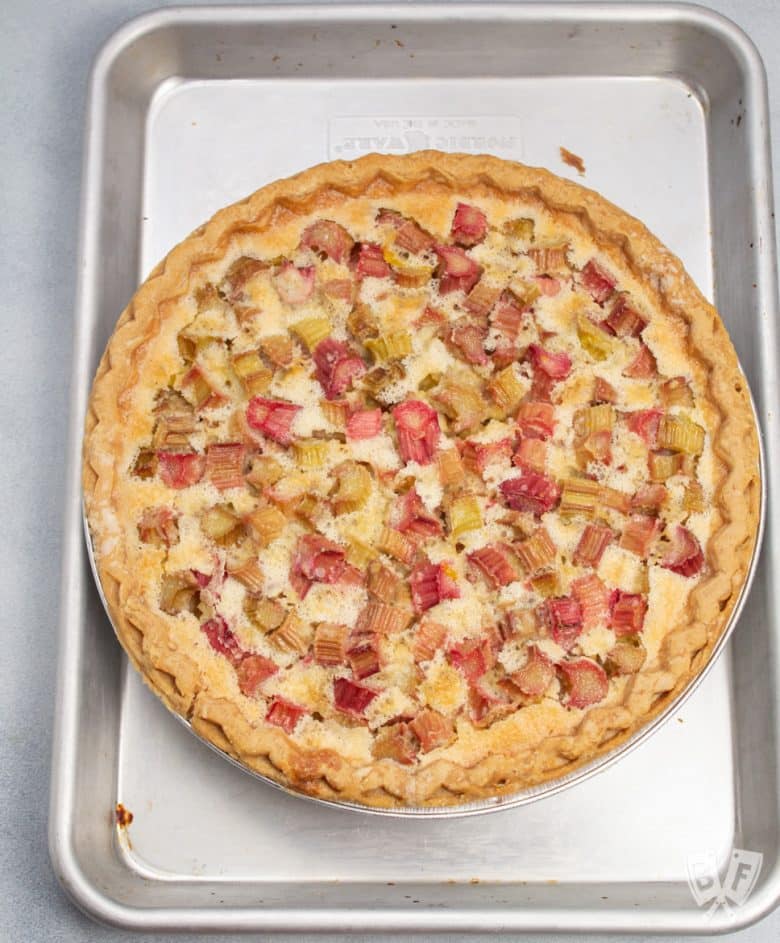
(46, 48)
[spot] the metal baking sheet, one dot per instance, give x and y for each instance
(191, 109)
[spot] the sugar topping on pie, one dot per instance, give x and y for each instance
(414, 480)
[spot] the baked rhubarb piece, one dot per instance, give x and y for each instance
(407, 486)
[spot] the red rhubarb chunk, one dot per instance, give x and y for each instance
(414, 239)
(328, 239)
(409, 235)
(597, 283)
(429, 638)
(536, 420)
(352, 576)
(294, 285)
(627, 613)
(639, 535)
(644, 423)
(496, 563)
(337, 366)
(317, 560)
(344, 373)
(341, 288)
(486, 704)
(564, 619)
(473, 657)
(429, 316)
(530, 492)
(542, 386)
(481, 300)
(593, 599)
(431, 583)
(531, 454)
(548, 285)
(416, 518)
(649, 498)
(363, 657)
(468, 337)
(397, 742)
(284, 714)
(382, 619)
(180, 469)
(594, 541)
(556, 366)
(351, 698)
(478, 456)
(432, 730)
(389, 217)
(252, 671)
(684, 556)
(469, 225)
(456, 270)
(536, 675)
(368, 261)
(225, 464)
(417, 429)
(623, 320)
(585, 681)
(504, 355)
(507, 316)
(222, 639)
(604, 392)
(272, 417)
(642, 366)
(364, 424)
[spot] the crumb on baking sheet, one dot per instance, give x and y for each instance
(123, 816)
(573, 160)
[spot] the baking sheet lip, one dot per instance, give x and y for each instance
(64, 858)
(393, 920)
(65, 863)
(62, 853)
(588, 11)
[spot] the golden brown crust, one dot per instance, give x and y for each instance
(177, 678)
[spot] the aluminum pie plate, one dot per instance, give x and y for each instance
(533, 793)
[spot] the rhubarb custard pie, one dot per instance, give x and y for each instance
(417, 480)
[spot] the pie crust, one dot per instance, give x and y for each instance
(490, 749)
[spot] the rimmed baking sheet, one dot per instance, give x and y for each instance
(194, 108)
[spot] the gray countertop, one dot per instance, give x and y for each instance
(47, 48)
